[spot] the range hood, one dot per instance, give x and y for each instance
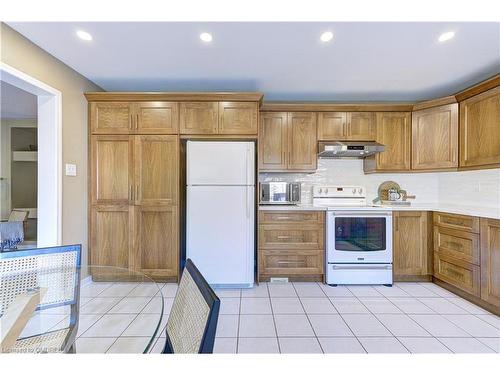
(349, 149)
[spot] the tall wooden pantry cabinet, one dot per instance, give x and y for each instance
(134, 170)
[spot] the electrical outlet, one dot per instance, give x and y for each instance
(71, 170)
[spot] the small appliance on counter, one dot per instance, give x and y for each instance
(391, 194)
(280, 193)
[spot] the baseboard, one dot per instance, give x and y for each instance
(475, 300)
(414, 278)
(291, 278)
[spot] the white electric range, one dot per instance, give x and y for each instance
(358, 236)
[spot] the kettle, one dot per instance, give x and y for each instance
(393, 194)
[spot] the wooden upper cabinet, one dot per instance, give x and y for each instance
(156, 169)
(238, 117)
(332, 126)
(156, 118)
(490, 261)
(111, 117)
(156, 251)
(393, 131)
(360, 126)
(435, 138)
(112, 169)
(199, 117)
(273, 142)
(348, 126)
(302, 141)
(411, 245)
(111, 238)
(479, 130)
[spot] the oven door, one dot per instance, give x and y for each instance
(359, 237)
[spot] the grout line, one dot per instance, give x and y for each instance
(239, 319)
(274, 319)
(307, 316)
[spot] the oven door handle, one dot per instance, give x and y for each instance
(360, 214)
(362, 267)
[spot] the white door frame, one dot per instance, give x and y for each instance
(49, 221)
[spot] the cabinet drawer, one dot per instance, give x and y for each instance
(453, 221)
(305, 217)
(463, 275)
(458, 244)
(291, 262)
(290, 237)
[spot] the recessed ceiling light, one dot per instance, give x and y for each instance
(206, 37)
(446, 36)
(84, 35)
(326, 36)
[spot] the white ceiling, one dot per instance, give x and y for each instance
(16, 103)
(365, 61)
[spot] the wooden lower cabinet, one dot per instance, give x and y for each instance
(458, 244)
(138, 238)
(156, 238)
(459, 273)
(490, 261)
(291, 244)
(411, 245)
(454, 221)
(111, 238)
(290, 263)
(457, 251)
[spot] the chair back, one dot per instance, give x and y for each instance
(193, 319)
(54, 268)
(19, 215)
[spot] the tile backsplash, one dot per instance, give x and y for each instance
(481, 188)
(470, 188)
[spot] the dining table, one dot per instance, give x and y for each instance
(114, 310)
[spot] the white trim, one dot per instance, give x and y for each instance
(50, 145)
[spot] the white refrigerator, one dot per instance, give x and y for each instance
(220, 211)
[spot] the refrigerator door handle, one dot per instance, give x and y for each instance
(246, 203)
(247, 159)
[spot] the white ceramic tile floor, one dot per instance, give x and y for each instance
(298, 318)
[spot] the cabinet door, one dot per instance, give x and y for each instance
(199, 118)
(411, 244)
(156, 169)
(238, 117)
(302, 141)
(273, 144)
(157, 118)
(361, 126)
(156, 242)
(490, 261)
(435, 138)
(393, 131)
(332, 126)
(112, 169)
(111, 118)
(479, 126)
(111, 236)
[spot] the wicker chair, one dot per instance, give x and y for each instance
(58, 270)
(193, 319)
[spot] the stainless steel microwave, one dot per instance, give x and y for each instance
(280, 193)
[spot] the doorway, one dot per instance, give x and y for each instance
(48, 149)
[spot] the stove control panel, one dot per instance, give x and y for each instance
(339, 192)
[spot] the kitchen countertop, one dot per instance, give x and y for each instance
(486, 212)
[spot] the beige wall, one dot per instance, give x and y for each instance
(25, 56)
